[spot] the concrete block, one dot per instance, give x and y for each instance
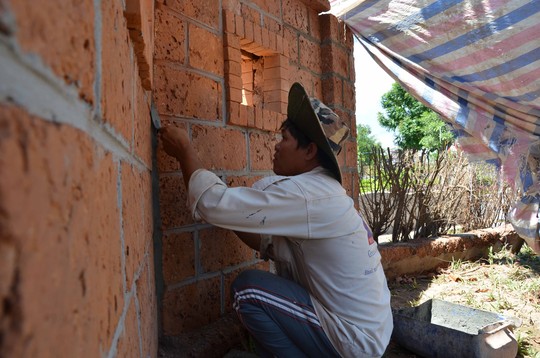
(232, 54)
(250, 14)
(205, 50)
(271, 7)
(207, 12)
(249, 113)
(261, 150)
(310, 54)
(274, 25)
(259, 120)
(116, 71)
(239, 26)
(234, 94)
(350, 149)
(173, 202)
(140, 22)
(128, 343)
(137, 220)
(221, 249)
(349, 96)
(229, 21)
(257, 34)
(335, 59)
(192, 306)
(52, 179)
(220, 148)
(70, 28)
(317, 5)
(333, 91)
(178, 257)
(276, 96)
(231, 40)
(329, 26)
(170, 40)
(186, 94)
(314, 24)
(231, 5)
(296, 15)
(146, 295)
(248, 32)
(347, 182)
(233, 69)
(142, 134)
(290, 44)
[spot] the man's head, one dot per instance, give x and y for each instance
(296, 153)
(311, 123)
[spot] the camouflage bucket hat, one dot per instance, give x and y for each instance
(318, 122)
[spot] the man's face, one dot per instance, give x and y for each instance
(289, 159)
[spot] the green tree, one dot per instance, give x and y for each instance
(415, 126)
(365, 143)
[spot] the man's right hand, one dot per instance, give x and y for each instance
(176, 143)
(175, 140)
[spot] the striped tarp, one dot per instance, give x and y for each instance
(477, 64)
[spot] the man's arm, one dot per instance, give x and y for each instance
(176, 144)
(251, 240)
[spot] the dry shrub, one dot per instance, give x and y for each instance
(419, 194)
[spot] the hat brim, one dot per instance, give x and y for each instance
(302, 114)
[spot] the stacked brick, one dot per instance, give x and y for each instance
(201, 83)
(76, 252)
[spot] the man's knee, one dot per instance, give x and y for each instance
(247, 278)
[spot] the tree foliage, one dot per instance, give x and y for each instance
(366, 142)
(415, 126)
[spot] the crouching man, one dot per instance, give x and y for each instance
(329, 296)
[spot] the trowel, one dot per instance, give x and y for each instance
(156, 122)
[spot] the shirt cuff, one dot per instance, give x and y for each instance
(201, 180)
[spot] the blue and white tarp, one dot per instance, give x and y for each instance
(477, 64)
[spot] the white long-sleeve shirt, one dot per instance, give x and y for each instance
(310, 228)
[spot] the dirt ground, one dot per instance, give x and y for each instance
(504, 283)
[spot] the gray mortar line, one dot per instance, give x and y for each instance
(209, 275)
(120, 327)
(119, 199)
(139, 323)
(28, 83)
(128, 295)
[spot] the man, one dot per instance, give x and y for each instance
(329, 297)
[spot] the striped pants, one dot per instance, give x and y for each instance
(279, 315)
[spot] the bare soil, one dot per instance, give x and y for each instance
(504, 283)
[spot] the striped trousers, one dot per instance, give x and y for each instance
(279, 315)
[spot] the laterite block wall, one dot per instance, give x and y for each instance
(93, 260)
(76, 219)
(223, 70)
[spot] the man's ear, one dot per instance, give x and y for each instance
(311, 151)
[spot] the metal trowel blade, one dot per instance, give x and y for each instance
(155, 116)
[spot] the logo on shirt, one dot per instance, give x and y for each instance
(370, 271)
(371, 241)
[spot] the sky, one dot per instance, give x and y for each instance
(371, 83)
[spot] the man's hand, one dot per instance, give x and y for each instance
(175, 140)
(176, 144)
